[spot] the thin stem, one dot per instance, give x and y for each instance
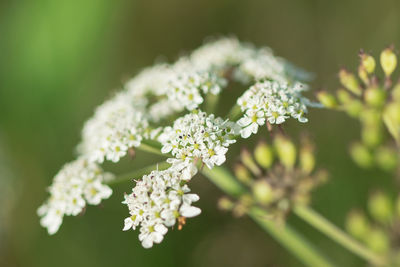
(139, 173)
(151, 147)
(234, 113)
(290, 239)
(326, 227)
(296, 244)
(211, 103)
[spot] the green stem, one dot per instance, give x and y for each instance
(291, 240)
(139, 173)
(211, 103)
(151, 147)
(234, 113)
(326, 227)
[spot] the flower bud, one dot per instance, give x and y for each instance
(380, 207)
(388, 61)
(391, 118)
(375, 97)
(242, 174)
(326, 99)
(262, 192)
(367, 62)
(362, 73)
(354, 108)
(357, 224)
(264, 155)
(248, 161)
(371, 135)
(386, 158)
(307, 158)
(371, 117)
(349, 81)
(396, 92)
(377, 240)
(361, 155)
(344, 96)
(225, 203)
(286, 151)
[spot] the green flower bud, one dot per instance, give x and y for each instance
(396, 92)
(248, 161)
(357, 224)
(371, 117)
(286, 151)
(349, 81)
(242, 174)
(386, 158)
(375, 97)
(368, 62)
(264, 155)
(225, 203)
(371, 135)
(263, 192)
(388, 61)
(361, 155)
(353, 108)
(307, 158)
(377, 240)
(326, 99)
(343, 96)
(380, 207)
(391, 118)
(362, 73)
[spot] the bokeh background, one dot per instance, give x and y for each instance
(60, 59)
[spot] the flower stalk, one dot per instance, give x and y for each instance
(329, 229)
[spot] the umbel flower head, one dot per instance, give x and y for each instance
(160, 199)
(162, 106)
(198, 136)
(78, 183)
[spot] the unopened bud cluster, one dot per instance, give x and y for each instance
(380, 231)
(278, 176)
(375, 103)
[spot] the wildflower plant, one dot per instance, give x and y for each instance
(169, 109)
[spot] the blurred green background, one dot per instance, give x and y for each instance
(60, 59)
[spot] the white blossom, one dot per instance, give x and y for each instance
(118, 124)
(271, 101)
(158, 200)
(77, 183)
(198, 136)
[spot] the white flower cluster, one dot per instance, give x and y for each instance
(198, 136)
(153, 96)
(271, 101)
(78, 183)
(262, 64)
(158, 200)
(117, 125)
(185, 90)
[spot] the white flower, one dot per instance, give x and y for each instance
(251, 121)
(271, 101)
(152, 233)
(198, 136)
(77, 183)
(158, 200)
(118, 124)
